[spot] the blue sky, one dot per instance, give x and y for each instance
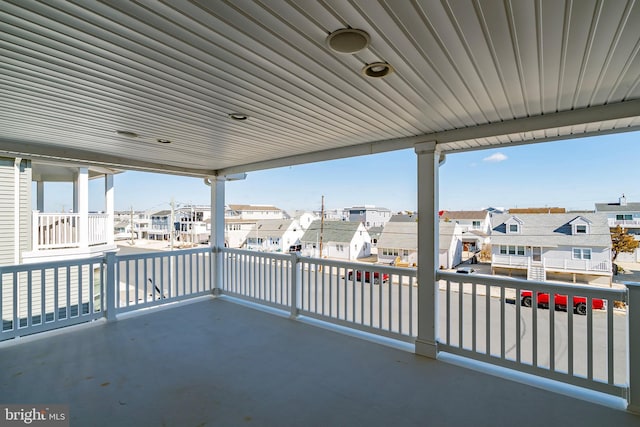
(573, 174)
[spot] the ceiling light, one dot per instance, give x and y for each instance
(238, 116)
(348, 40)
(377, 69)
(127, 133)
(163, 141)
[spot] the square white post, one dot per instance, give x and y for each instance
(40, 196)
(217, 230)
(428, 248)
(633, 328)
(81, 202)
(109, 207)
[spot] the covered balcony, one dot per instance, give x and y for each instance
(218, 90)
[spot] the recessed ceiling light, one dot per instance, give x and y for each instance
(163, 141)
(127, 133)
(377, 69)
(348, 40)
(238, 116)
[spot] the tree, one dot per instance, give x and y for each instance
(621, 242)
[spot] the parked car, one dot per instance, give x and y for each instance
(560, 301)
(465, 270)
(367, 276)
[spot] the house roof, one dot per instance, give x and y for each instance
(537, 210)
(332, 231)
(617, 207)
(480, 215)
(253, 208)
(551, 230)
(162, 213)
(164, 87)
(404, 218)
(399, 235)
(270, 228)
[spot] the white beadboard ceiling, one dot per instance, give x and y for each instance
(468, 75)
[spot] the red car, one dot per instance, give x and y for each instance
(367, 276)
(560, 301)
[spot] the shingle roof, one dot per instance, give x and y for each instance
(253, 208)
(404, 218)
(616, 207)
(270, 228)
(551, 230)
(399, 235)
(162, 213)
(333, 231)
(464, 215)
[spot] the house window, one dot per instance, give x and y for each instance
(581, 229)
(340, 248)
(475, 225)
(512, 250)
(624, 217)
(581, 253)
(513, 228)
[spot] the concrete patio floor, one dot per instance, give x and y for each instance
(217, 363)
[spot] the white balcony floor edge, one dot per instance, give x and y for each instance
(215, 362)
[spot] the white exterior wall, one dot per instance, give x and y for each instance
(557, 256)
(258, 215)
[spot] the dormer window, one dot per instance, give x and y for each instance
(580, 225)
(514, 225)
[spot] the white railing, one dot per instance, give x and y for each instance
(374, 298)
(155, 278)
(603, 266)
(483, 318)
(55, 231)
(43, 296)
(518, 261)
(98, 232)
(624, 222)
(59, 231)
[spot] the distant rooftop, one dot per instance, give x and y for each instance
(537, 210)
(463, 215)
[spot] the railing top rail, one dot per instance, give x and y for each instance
(49, 264)
(520, 284)
(160, 254)
(60, 214)
(405, 271)
(274, 255)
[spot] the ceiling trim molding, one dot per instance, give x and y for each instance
(59, 154)
(581, 116)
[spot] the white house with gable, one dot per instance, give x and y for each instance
(340, 239)
(274, 235)
(568, 247)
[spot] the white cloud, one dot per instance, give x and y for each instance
(495, 158)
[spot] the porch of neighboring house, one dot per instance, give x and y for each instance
(77, 232)
(214, 362)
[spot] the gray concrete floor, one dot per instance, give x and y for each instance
(217, 363)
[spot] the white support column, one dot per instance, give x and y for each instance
(81, 198)
(633, 335)
(109, 207)
(428, 248)
(217, 230)
(40, 196)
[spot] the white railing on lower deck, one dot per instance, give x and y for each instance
(477, 321)
(345, 293)
(155, 278)
(54, 231)
(43, 296)
(518, 261)
(585, 265)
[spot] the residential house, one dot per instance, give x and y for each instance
(339, 239)
(450, 244)
(369, 215)
(274, 235)
(398, 244)
(239, 220)
(474, 225)
(569, 247)
(304, 218)
(627, 215)
(333, 214)
(160, 226)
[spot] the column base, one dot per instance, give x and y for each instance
(427, 348)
